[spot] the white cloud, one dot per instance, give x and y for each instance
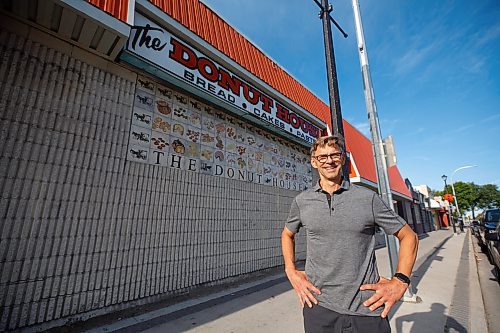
(420, 158)
(364, 128)
(415, 56)
(419, 131)
(491, 34)
(477, 123)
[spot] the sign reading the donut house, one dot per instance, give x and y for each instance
(178, 58)
(173, 130)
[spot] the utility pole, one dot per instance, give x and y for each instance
(384, 187)
(331, 72)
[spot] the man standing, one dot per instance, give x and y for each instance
(340, 289)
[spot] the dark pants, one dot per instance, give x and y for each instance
(321, 320)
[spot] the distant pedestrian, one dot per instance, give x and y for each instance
(340, 287)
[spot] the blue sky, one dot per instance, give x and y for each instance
(435, 71)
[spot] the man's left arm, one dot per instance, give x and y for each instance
(388, 292)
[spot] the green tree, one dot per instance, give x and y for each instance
(488, 196)
(465, 195)
(441, 193)
(476, 189)
(471, 196)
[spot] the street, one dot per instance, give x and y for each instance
(490, 289)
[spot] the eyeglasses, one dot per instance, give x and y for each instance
(324, 157)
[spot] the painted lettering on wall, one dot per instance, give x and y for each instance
(173, 130)
(178, 58)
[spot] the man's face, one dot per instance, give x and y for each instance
(328, 160)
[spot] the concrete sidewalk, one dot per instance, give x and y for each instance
(445, 278)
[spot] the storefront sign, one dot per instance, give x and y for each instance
(173, 130)
(178, 58)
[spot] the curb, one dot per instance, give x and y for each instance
(477, 310)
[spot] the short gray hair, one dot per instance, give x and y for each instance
(330, 140)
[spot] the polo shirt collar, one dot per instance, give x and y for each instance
(343, 187)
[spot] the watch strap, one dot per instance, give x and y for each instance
(403, 278)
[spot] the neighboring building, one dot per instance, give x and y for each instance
(431, 206)
(445, 213)
(424, 189)
(436, 208)
(417, 209)
(149, 149)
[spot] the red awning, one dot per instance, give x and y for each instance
(397, 182)
(361, 152)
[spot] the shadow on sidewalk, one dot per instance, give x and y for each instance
(259, 293)
(437, 310)
(423, 265)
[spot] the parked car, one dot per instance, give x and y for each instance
(493, 239)
(491, 219)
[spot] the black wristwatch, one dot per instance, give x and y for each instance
(403, 278)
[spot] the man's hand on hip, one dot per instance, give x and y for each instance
(303, 287)
(387, 292)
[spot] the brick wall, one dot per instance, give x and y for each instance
(82, 228)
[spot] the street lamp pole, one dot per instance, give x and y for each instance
(453, 187)
(444, 177)
(331, 72)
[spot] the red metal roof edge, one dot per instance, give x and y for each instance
(116, 8)
(397, 182)
(361, 149)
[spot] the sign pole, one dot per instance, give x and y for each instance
(384, 188)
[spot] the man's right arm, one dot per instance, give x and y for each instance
(298, 279)
(288, 248)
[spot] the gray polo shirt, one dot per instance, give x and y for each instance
(340, 233)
